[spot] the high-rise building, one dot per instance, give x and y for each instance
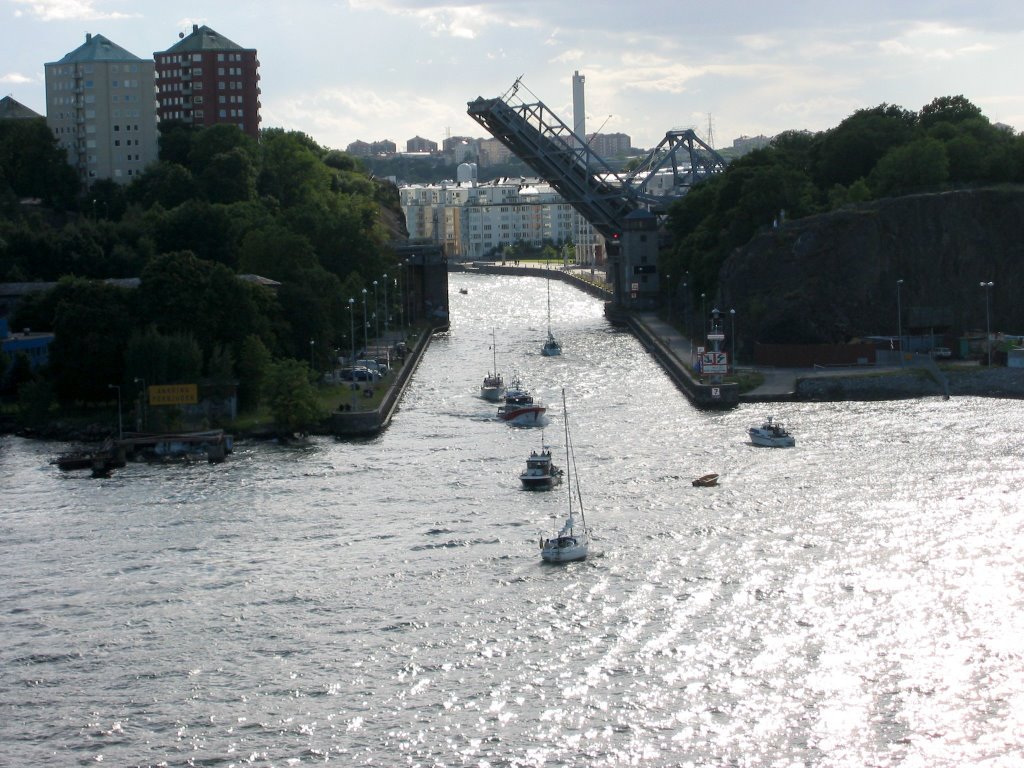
(206, 79)
(100, 107)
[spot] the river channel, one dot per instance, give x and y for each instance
(857, 600)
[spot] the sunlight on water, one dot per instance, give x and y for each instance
(857, 600)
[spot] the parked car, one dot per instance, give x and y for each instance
(373, 366)
(356, 373)
(942, 352)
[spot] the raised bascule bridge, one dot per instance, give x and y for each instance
(626, 208)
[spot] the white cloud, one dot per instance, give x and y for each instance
(65, 10)
(16, 78)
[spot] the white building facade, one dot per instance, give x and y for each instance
(472, 220)
(101, 107)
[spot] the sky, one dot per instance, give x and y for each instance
(342, 70)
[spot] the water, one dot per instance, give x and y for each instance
(855, 601)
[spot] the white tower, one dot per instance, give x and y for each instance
(579, 109)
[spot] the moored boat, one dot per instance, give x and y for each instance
(771, 434)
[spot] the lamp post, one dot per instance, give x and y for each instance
(120, 422)
(703, 318)
(142, 398)
(352, 333)
(401, 296)
(668, 308)
(899, 319)
(376, 313)
(312, 363)
(387, 307)
(988, 325)
(732, 337)
(366, 341)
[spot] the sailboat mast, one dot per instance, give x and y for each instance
(494, 351)
(568, 455)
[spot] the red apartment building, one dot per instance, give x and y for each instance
(206, 79)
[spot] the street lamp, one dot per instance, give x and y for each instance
(899, 319)
(703, 317)
(139, 379)
(732, 336)
(120, 422)
(668, 309)
(387, 307)
(366, 341)
(352, 333)
(312, 364)
(988, 325)
(376, 313)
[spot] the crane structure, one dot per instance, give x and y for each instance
(624, 207)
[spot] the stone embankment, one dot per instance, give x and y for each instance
(916, 382)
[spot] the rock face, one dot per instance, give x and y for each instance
(832, 278)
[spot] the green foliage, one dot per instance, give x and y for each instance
(217, 204)
(253, 363)
(291, 396)
(33, 165)
(916, 166)
(882, 151)
(90, 337)
(158, 358)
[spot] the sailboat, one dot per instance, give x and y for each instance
(573, 539)
(551, 346)
(493, 388)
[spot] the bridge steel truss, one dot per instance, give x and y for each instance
(604, 197)
(539, 138)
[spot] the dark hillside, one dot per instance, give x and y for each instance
(832, 277)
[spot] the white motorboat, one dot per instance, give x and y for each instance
(493, 388)
(551, 347)
(540, 474)
(572, 541)
(519, 406)
(771, 434)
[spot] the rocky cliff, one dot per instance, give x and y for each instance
(833, 277)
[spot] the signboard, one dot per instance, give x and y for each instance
(714, 362)
(173, 394)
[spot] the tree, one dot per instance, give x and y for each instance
(230, 177)
(253, 363)
(909, 168)
(850, 150)
(91, 325)
(292, 397)
(947, 109)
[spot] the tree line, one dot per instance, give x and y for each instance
(216, 209)
(885, 151)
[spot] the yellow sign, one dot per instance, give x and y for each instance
(173, 394)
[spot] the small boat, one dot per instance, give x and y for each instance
(463, 290)
(551, 347)
(519, 406)
(572, 541)
(493, 388)
(540, 474)
(706, 481)
(771, 434)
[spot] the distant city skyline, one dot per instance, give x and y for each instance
(375, 70)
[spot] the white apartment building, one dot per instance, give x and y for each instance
(470, 219)
(101, 107)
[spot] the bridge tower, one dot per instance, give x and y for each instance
(604, 197)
